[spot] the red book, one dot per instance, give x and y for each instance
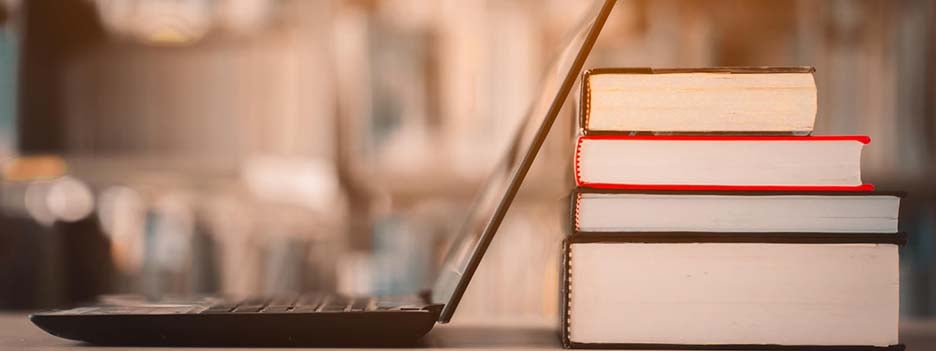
(775, 163)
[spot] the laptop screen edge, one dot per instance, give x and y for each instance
(519, 171)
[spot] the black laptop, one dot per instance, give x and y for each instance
(330, 319)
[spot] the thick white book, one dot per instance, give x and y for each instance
(632, 294)
(777, 100)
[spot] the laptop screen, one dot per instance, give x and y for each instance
(492, 202)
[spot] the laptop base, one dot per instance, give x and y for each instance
(384, 328)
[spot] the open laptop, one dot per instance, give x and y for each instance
(333, 320)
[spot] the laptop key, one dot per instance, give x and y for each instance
(251, 305)
(308, 303)
(334, 305)
(304, 309)
(360, 305)
(220, 308)
(276, 309)
(248, 308)
(280, 304)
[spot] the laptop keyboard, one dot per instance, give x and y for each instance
(306, 303)
(301, 304)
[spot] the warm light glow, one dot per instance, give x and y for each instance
(181, 22)
(35, 202)
(34, 167)
(69, 199)
(122, 214)
(158, 22)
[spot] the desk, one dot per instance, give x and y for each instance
(17, 333)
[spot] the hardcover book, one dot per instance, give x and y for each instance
(608, 211)
(626, 292)
(773, 100)
(830, 163)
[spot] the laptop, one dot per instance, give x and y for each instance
(329, 319)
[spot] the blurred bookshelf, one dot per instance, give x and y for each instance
(295, 142)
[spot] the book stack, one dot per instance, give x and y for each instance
(707, 216)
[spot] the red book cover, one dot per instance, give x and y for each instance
(719, 187)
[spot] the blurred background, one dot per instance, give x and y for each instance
(175, 147)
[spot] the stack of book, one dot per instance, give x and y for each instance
(707, 216)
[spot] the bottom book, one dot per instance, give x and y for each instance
(730, 293)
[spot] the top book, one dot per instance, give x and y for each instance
(754, 100)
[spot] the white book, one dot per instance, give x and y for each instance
(725, 100)
(666, 295)
(757, 212)
(701, 162)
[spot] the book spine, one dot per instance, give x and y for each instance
(577, 161)
(566, 292)
(585, 105)
(575, 211)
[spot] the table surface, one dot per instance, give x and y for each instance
(17, 333)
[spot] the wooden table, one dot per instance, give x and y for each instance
(17, 333)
